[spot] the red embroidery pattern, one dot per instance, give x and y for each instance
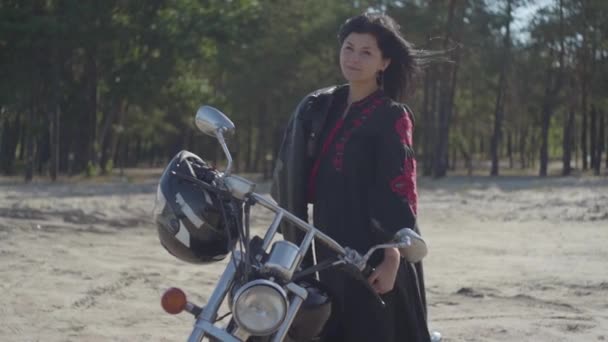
(404, 185)
(371, 104)
(403, 126)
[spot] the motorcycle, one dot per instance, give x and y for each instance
(272, 293)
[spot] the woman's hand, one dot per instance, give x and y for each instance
(382, 279)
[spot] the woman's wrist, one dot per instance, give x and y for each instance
(392, 255)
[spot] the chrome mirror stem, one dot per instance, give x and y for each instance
(220, 137)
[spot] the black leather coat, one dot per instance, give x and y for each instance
(296, 155)
(299, 148)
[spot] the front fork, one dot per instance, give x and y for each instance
(204, 322)
(205, 327)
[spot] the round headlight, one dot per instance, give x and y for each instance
(260, 307)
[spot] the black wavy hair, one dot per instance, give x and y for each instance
(405, 60)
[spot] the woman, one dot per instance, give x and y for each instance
(348, 151)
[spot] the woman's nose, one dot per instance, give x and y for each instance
(353, 59)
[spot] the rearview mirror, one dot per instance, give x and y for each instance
(214, 123)
(209, 120)
(413, 246)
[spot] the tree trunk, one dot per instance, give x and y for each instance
(8, 145)
(426, 141)
(531, 162)
(568, 141)
(545, 125)
(122, 156)
(29, 145)
(91, 109)
(440, 156)
(552, 89)
(569, 133)
(454, 159)
(605, 149)
(605, 139)
(64, 144)
(502, 88)
(584, 126)
(585, 76)
(447, 92)
(574, 145)
(496, 137)
(125, 146)
(54, 142)
(116, 132)
(43, 150)
(430, 122)
(23, 127)
(138, 151)
(601, 138)
(249, 151)
(277, 134)
(510, 149)
(593, 136)
(260, 146)
(522, 148)
(468, 161)
(54, 128)
(107, 134)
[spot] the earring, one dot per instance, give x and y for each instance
(380, 78)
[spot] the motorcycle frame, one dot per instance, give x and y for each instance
(243, 189)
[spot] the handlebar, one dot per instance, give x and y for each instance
(243, 189)
(311, 231)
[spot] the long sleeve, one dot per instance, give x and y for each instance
(293, 164)
(287, 185)
(393, 196)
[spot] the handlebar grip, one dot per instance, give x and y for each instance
(367, 271)
(362, 276)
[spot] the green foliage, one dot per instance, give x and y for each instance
(92, 170)
(127, 76)
(109, 167)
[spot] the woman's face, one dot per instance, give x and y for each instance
(361, 58)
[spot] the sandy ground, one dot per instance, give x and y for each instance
(511, 259)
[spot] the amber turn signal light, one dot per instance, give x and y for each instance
(173, 301)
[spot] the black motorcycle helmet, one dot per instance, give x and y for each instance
(189, 217)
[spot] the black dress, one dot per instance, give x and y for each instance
(363, 189)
